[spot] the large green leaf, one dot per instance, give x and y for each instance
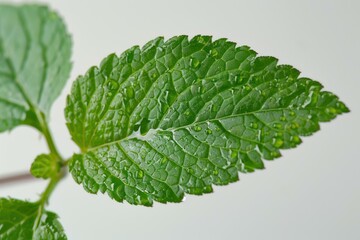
(35, 51)
(20, 220)
(177, 116)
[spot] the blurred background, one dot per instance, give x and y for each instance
(312, 192)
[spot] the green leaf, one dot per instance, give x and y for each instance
(21, 220)
(44, 166)
(35, 51)
(178, 116)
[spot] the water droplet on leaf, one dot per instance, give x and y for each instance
(233, 154)
(275, 154)
(140, 174)
(200, 39)
(278, 142)
(154, 75)
(164, 160)
(197, 128)
(294, 125)
(112, 85)
(130, 92)
(295, 139)
(292, 113)
(254, 125)
(331, 110)
(214, 52)
(194, 63)
(247, 87)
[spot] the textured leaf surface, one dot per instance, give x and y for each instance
(35, 51)
(17, 220)
(177, 116)
(44, 166)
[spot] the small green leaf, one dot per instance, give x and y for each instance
(20, 220)
(35, 51)
(178, 116)
(44, 166)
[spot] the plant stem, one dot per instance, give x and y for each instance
(48, 137)
(45, 196)
(54, 180)
(53, 150)
(49, 189)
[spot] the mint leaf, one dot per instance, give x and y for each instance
(20, 220)
(178, 116)
(35, 50)
(44, 166)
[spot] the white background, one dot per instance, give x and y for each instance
(312, 192)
